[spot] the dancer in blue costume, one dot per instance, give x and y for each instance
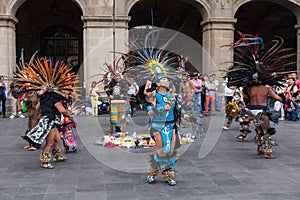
(163, 130)
(144, 63)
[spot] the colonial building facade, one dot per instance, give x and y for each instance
(73, 30)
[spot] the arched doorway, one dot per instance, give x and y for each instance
(147, 15)
(268, 20)
(53, 27)
(176, 17)
(63, 42)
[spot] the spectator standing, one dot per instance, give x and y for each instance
(3, 95)
(203, 92)
(295, 78)
(197, 88)
(186, 91)
(292, 93)
(133, 91)
(210, 95)
(93, 93)
(278, 106)
(17, 95)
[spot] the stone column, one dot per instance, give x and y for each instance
(218, 34)
(98, 43)
(298, 48)
(7, 44)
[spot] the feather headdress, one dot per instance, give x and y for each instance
(255, 64)
(147, 61)
(21, 64)
(48, 75)
(114, 69)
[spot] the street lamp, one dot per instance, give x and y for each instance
(114, 32)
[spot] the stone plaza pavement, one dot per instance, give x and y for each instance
(231, 170)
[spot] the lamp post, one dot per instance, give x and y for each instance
(114, 33)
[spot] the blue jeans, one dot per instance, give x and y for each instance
(197, 101)
(293, 115)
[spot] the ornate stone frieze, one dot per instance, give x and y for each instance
(222, 3)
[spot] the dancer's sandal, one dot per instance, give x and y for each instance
(241, 137)
(47, 166)
(32, 148)
(269, 156)
(60, 159)
(151, 179)
(171, 182)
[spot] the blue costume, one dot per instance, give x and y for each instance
(163, 122)
(146, 62)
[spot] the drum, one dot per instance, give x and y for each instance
(117, 116)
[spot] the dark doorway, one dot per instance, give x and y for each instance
(63, 42)
(268, 20)
(53, 27)
(171, 14)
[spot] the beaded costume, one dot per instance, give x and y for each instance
(149, 63)
(53, 80)
(255, 66)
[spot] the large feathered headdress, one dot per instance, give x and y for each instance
(21, 64)
(255, 64)
(146, 61)
(48, 75)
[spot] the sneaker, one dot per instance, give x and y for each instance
(201, 116)
(151, 179)
(12, 116)
(281, 118)
(225, 128)
(22, 116)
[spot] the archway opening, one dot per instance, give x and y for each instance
(149, 15)
(267, 20)
(53, 27)
(181, 16)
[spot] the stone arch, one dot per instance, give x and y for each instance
(270, 19)
(139, 11)
(292, 5)
(202, 6)
(14, 5)
(280, 18)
